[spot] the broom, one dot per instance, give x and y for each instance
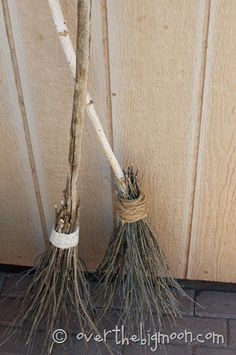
(134, 266)
(134, 270)
(59, 288)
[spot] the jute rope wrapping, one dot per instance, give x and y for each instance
(131, 211)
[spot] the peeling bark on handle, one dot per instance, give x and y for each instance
(62, 28)
(90, 109)
(78, 112)
(91, 112)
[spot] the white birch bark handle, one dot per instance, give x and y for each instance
(68, 49)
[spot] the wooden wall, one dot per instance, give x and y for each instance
(162, 76)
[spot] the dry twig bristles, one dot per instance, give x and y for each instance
(134, 269)
(59, 290)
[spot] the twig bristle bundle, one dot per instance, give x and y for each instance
(58, 294)
(134, 270)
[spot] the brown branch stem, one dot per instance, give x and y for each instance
(69, 214)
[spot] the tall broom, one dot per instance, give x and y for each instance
(59, 287)
(134, 266)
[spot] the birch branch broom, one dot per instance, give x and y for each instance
(134, 266)
(59, 287)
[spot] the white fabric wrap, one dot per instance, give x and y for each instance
(64, 241)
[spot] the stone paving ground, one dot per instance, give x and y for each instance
(212, 318)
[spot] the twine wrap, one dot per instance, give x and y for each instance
(131, 211)
(63, 240)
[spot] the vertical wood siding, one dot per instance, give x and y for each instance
(162, 79)
(213, 241)
(155, 106)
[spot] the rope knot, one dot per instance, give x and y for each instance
(131, 211)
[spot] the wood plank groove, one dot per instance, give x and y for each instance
(24, 115)
(156, 69)
(196, 152)
(21, 228)
(213, 247)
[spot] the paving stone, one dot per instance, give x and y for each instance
(110, 320)
(67, 348)
(186, 328)
(186, 305)
(211, 351)
(100, 302)
(15, 345)
(232, 334)
(216, 304)
(95, 348)
(190, 327)
(10, 306)
(8, 310)
(186, 302)
(167, 350)
(2, 279)
(15, 285)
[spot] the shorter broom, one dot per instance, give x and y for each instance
(134, 271)
(134, 266)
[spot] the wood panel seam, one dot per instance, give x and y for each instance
(20, 95)
(198, 136)
(108, 102)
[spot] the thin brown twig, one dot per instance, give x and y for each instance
(69, 212)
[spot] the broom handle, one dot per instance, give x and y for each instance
(79, 103)
(67, 46)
